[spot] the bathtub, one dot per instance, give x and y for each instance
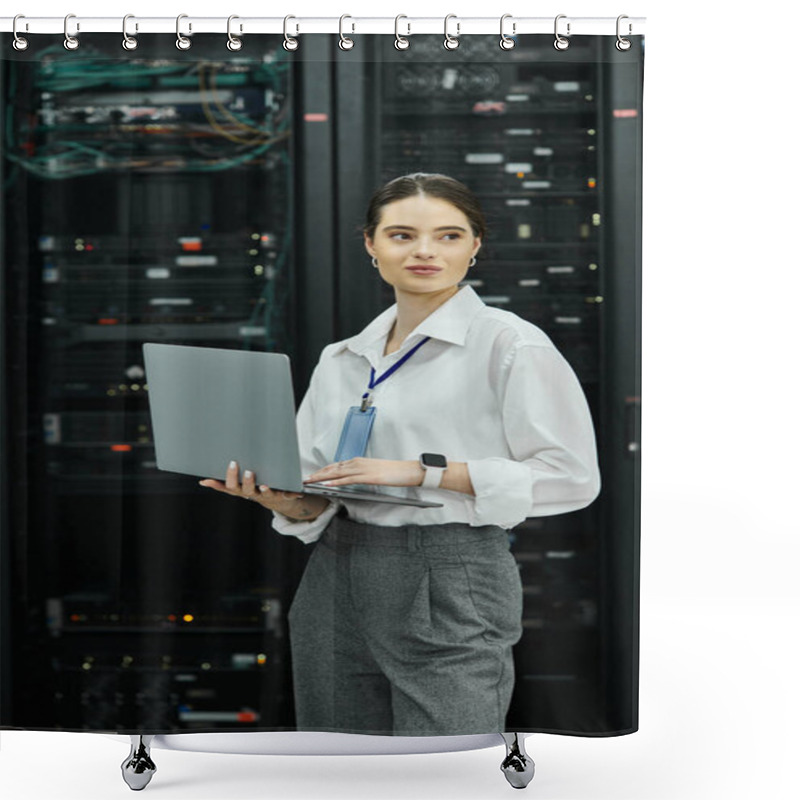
(139, 767)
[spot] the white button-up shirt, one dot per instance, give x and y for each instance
(488, 389)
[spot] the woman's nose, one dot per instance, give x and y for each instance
(424, 249)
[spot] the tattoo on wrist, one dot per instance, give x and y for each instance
(308, 509)
(303, 513)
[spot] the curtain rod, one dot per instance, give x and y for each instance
(347, 25)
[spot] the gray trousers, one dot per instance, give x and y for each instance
(406, 630)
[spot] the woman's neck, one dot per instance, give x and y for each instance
(413, 308)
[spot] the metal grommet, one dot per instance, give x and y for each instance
(20, 42)
(345, 43)
(288, 42)
(561, 43)
(506, 42)
(70, 42)
(623, 44)
(451, 42)
(182, 42)
(234, 42)
(400, 42)
(128, 42)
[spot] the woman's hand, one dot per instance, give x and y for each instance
(292, 504)
(379, 471)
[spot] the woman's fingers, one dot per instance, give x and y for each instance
(232, 476)
(338, 469)
(231, 484)
(248, 488)
(377, 471)
(249, 484)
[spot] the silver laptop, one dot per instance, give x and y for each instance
(210, 406)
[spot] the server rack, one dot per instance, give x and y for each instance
(155, 202)
(549, 141)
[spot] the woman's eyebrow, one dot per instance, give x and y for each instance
(412, 228)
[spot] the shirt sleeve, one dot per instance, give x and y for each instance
(310, 461)
(549, 432)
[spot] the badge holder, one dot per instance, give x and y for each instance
(356, 430)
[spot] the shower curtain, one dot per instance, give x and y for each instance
(216, 197)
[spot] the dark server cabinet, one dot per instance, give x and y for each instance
(148, 198)
(550, 143)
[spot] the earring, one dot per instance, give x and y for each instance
(472, 262)
(374, 262)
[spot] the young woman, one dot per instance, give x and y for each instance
(405, 617)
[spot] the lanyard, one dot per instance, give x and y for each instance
(366, 399)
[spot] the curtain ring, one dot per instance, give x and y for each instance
(288, 42)
(20, 42)
(70, 42)
(129, 42)
(400, 42)
(182, 42)
(234, 42)
(506, 42)
(345, 43)
(623, 44)
(451, 42)
(561, 43)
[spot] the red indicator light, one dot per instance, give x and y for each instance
(192, 246)
(315, 117)
(246, 716)
(90, 247)
(107, 321)
(121, 448)
(172, 618)
(625, 113)
(592, 183)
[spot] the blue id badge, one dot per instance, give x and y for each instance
(355, 433)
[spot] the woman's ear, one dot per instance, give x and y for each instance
(478, 244)
(368, 245)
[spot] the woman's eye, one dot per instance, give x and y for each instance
(401, 235)
(452, 235)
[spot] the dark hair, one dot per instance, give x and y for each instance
(434, 185)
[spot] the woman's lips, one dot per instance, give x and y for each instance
(420, 270)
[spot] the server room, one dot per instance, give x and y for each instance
(214, 199)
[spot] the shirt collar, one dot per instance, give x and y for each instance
(449, 323)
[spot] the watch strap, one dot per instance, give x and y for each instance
(433, 477)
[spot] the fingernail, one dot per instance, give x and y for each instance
(248, 474)
(263, 488)
(232, 465)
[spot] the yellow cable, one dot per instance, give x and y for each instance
(212, 120)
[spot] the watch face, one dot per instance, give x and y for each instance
(434, 460)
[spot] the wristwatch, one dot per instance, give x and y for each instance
(434, 465)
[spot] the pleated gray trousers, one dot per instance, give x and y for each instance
(406, 631)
